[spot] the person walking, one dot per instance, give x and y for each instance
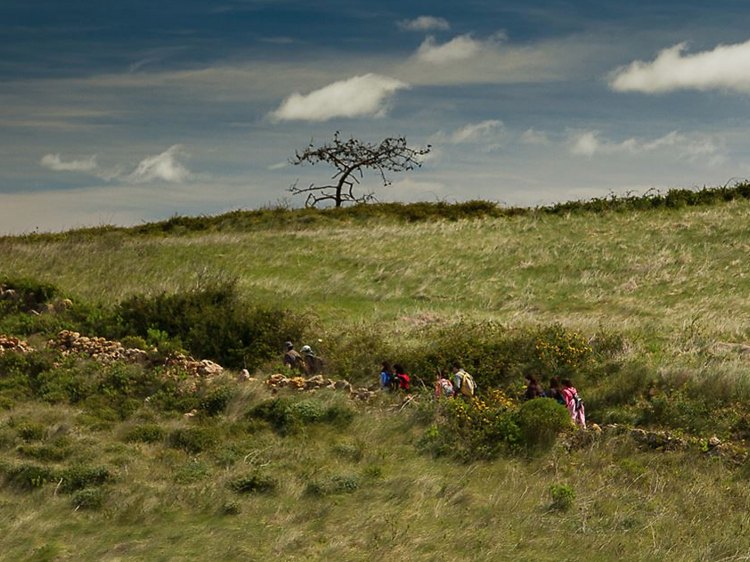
(574, 403)
(386, 377)
(533, 388)
(402, 378)
(292, 358)
(463, 382)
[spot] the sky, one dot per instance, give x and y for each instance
(137, 111)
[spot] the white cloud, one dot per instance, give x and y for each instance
(166, 166)
(278, 165)
(689, 147)
(532, 136)
(360, 96)
(727, 67)
(424, 23)
(55, 162)
(475, 132)
(459, 48)
(585, 144)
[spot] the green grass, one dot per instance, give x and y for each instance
(654, 272)
(165, 504)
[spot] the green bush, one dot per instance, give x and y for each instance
(541, 420)
(30, 294)
(59, 450)
(480, 429)
(216, 401)
(253, 482)
(212, 323)
(30, 431)
(337, 484)
(194, 439)
(88, 498)
(145, 433)
(563, 497)
(289, 416)
(27, 476)
(231, 507)
(192, 472)
(81, 476)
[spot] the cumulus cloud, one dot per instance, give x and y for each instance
(166, 166)
(359, 96)
(690, 147)
(459, 48)
(532, 136)
(424, 23)
(56, 163)
(727, 67)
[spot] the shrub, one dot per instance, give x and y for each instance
(27, 476)
(337, 484)
(57, 451)
(563, 497)
(288, 416)
(30, 293)
(145, 433)
(216, 401)
(541, 420)
(88, 498)
(30, 431)
(480, 429)
(212, 323)
(231, 507)
(253, 482)
(193, 439)
(81, 476)
(192, 472)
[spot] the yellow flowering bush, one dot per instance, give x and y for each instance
(557, 348)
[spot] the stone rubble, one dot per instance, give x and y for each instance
(9, 343)
(316, 382)
(108, 352)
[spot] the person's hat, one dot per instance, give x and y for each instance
(306, 349)
(288, 344)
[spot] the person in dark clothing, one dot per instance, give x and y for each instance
(401, 377)
(291, 357)
(313, 363)
(555, 392)
(386, 377)
(533, 388)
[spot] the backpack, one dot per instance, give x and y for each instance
(446, 387)
(577, 402)
(468, 386)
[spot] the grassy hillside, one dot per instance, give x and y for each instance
(644, 305)
(642, 272)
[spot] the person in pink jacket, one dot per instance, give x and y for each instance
(574, 403)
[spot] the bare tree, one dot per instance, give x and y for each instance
(350, 159)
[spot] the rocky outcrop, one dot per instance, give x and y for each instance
(9, 343)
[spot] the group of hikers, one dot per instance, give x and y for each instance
(561, 390)
(460, 385)
(463, 385)
(306, 362)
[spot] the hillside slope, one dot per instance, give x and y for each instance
(647, 311)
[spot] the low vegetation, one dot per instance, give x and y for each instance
(146, 460)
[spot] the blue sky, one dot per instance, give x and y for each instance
(134, 112)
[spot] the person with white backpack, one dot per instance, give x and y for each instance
(463, 383)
